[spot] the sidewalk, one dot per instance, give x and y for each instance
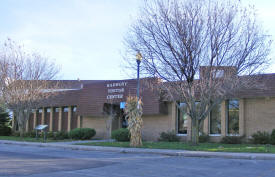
(184, 153)
(80, 141)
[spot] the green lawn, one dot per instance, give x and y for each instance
(214, 147)
(29, 139)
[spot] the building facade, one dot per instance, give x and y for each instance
(83, 103)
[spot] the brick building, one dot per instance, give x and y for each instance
(81, 104)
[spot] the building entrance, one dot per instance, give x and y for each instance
(124, 121)
(115, 117)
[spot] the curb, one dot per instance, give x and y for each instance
(182, 153)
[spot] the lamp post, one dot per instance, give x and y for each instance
(138, 59)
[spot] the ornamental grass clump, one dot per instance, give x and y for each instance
(133, 112)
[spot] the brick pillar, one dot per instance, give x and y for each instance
(51, 119)
(79, 122)
(174, 117)
(34, 119)
(189, 127)
(241, 117)
(223, 118)
(43, 116)
(69, 118)
(60, 119)
(27, 125)
(206, 125)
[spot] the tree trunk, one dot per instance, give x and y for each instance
(14, 125)
(21, 123)
(109, 126)
(195, 132)
(21, 130)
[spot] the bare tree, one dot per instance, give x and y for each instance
(111, 111)
(24, 80)
(177, 38)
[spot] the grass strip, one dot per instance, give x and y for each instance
(211, 147)
(30, 139)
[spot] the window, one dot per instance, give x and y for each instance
(40, 110)
(124, 122)
(66, 109)
(182, 118)
(74, 109)
(56, 109)
(215, 120)
(233, 117)
(198, 110)
(219, 73)
(48, 109)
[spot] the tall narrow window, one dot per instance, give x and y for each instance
(215, 120)
(182, 118)
(233, 117)
(198, 110)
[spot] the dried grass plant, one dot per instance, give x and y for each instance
(133, 112)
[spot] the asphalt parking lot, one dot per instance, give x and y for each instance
(17, 160)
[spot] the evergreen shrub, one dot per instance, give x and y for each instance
(232, 140)
(5, 129)
(260, 138)
(169, 136)
(272, 137)
(121, 134)
(82, 133)
(204, 138)
(61, 135)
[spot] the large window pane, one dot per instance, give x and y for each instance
(215, 120)
(182, 119)
(198, 107)
(233, 117)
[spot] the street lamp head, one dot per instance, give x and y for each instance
(139, 57)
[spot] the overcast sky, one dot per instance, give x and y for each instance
(85, 37)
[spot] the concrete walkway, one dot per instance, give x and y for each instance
(185, 153)
(80, 141)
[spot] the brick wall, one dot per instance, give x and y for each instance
(259, 115)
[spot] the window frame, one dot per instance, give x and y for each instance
(209, 122)
(177, 118)
(227, 117)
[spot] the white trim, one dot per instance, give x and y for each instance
(214, 134)
(56, 90)
(181, 134)
(233, 135)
